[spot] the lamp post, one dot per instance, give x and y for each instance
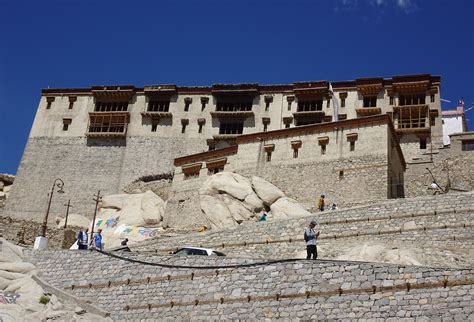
(97, 198)
(57, 183)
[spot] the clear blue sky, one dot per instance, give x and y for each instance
(82, 43)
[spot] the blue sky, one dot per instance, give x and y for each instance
(82, 43)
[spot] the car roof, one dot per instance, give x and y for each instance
(200, 248)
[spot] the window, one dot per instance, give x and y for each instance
(204, 101)
(200, 128)
(49, 101)
(328, 103)
(187, 102)
(265, 127)
(306, 106)
(295, 153)
(432, 98)
(66, 123)
(233, 106)
(154, 125)
(422, 143)
(158, 106)
(411, 99)
(467, 145)
(352, 146)
(296, 145)
(269, 156)
(287, 125)
(108, 123)
(341, 174)
(290, 100)
(184, 123)
(343, 97)
(370, 101)
(111, 106)
(391, 100)
(215, 170)
(323, 149)
(268, 100)
(72, 99)
(231, 128)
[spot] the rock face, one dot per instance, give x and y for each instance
(228, 199)
(74, 220)
(23, 294)
(6, 181)
(136, 210)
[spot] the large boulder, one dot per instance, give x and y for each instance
(74, 220)
(216, 212)
(286, 207)
(229, 183)
(266, 191)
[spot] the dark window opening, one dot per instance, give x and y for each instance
(341, 174)
(370, 101)
(108, 123)
(71, 104)
(231, 128)
(343, 102)
(269, 156)
(111, 106)
(48, 105)
(391, 100)
(265, 127)
(323, 149)
(328, 103)
(212, 171)
(66, 123)
(287, 125)
(186, 107)
(306, 106)
(154, 125)
(432, 98)
(295, 153)
(233, 106)
(200, 128)
(414, 99)
(267, 106)
(467, 145)
(352, 146)
(191, 175)
(158, 106)
(212, 147)
(423, 143)
(183, 128)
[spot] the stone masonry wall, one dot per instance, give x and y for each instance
(439, 222)
(297, 289)
(86, 166)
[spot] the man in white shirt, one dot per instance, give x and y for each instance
(310, 237)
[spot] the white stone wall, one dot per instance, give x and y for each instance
(451, 125)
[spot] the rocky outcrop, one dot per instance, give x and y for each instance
(228, 199)
(73, 220)
(25, 299)
(6, 182)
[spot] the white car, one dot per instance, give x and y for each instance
(185, 251)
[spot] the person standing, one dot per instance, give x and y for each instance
(97, 241)
(82, 239)
(321, 202)
(310, 237)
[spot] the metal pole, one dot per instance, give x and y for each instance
(97, 198)
(60, 185)
(67, 212)
(45, 220)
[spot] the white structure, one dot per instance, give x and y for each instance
(454, 121)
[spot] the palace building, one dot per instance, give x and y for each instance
(105, 137)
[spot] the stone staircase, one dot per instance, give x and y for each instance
(437, 222)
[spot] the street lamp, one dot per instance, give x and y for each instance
(59, 183)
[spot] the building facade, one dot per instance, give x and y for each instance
(454, 121)
(105, 137)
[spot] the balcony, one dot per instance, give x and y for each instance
(368, 111)
(412, 118)
(107, 124)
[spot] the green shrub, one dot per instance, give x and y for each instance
(44, 299)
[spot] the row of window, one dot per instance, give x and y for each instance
(323, 148)
(303, 106)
